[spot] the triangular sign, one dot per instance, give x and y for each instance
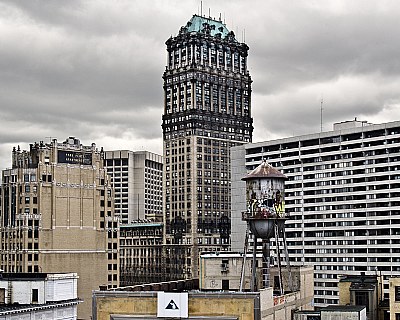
(172, 305)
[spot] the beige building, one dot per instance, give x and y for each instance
(394, 298)
(57, 215)
(218, 295)
(204, 304)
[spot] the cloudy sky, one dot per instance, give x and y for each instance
(92, 69)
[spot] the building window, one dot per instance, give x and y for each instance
(225, 284)
(362, 299)
(397, 293)
(35, 295)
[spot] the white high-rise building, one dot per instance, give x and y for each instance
(342, 196)
(137, 180)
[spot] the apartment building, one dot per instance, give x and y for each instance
(343, 198)
(136, 177)
(207, 110)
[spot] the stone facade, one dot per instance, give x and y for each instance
(207, 110)
(57, 215)
(141, 253)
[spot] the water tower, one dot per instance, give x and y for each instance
(265, 217)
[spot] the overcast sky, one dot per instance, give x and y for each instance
(92, 69)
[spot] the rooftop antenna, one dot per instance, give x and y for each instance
(244, 35)
(201, 8)
(322, 101)
(209, 13)
(224, 17)
(220, 17)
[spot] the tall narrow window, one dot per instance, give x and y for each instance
(35, 295)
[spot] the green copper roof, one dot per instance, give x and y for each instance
(203, 24)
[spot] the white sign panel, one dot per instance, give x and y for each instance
(172, 305)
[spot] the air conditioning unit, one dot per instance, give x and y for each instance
(224, 267)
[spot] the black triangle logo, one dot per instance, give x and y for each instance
(172, 306)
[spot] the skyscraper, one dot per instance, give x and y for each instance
(207, 110)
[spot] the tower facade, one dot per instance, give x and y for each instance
(57, 215)
(136, 177)
(207, 110)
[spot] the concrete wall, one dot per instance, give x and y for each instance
(343, 315)
(213, 271)
(59, 288)
(243, 306)
(91, 268)
(21, 291)
(238, 198)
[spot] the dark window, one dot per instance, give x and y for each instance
(225, 284)
(397, 293)
(362, 299)
(276, 283)
(35, 295)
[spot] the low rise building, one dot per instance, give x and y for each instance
(217, 297)
(141, 252)
(337, 312)
(39, 296)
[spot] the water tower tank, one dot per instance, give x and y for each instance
(265, 196)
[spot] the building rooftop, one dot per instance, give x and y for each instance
(363, 278)
(37, 276)
(265, 170)
(18, 308)
(141, 225)
(207, 25)
(348, 308)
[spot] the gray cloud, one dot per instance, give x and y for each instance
(92, 69)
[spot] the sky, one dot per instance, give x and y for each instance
(93, 69)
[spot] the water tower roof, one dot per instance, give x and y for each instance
(265, 170)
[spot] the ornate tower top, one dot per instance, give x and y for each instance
(208, 26)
